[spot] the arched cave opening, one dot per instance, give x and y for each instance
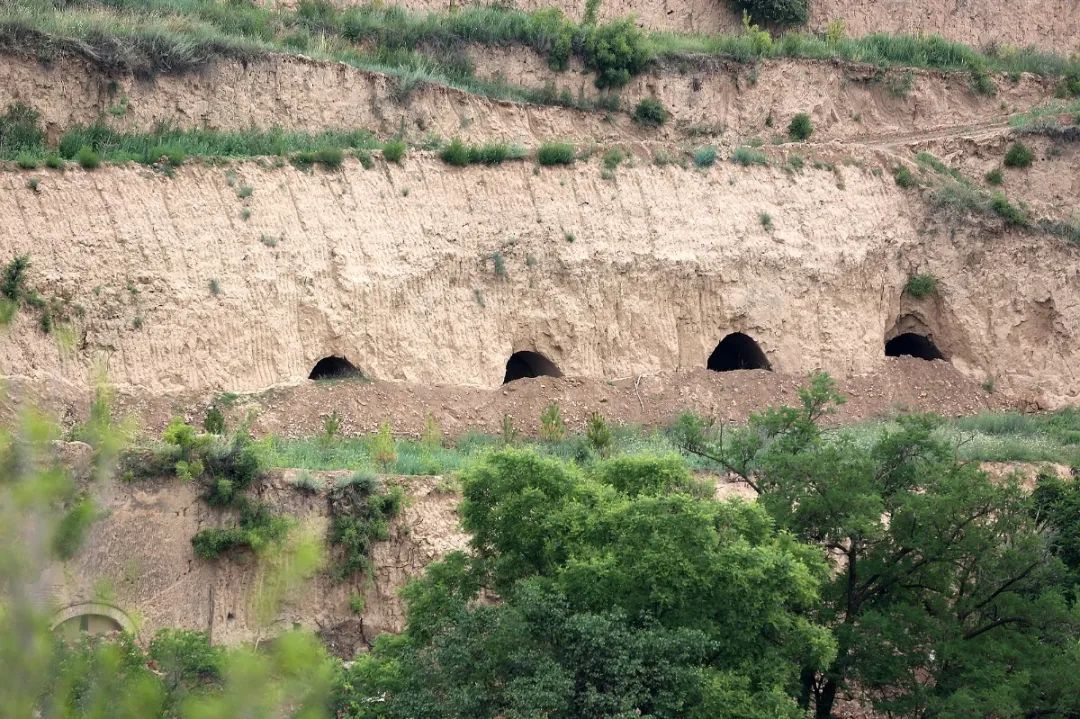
(910, 344)
(526, 364)
(334, 368)
(737, 351)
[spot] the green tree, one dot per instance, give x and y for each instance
(632, 598)
(948, 600)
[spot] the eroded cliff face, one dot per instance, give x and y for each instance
(436, 275)
(724, 101)
(138, 558)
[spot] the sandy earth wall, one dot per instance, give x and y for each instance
(1046, 24)
(138, 558)
(712, 97)
(393, 267)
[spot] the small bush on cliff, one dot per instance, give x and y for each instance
(705, 156)
(747, 156)
(777, 12)
(904, 177)
(1019, 156)
(921, 285)
(555, 153)
(615, 52)
(20, 130)
(394, 150)
(994, 177)
(801, 127)
(650, 112)
(360, 516)
(88, 158)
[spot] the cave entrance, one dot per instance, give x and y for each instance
(737, 351)
(910, 344)
(526, 364)
(334, 368)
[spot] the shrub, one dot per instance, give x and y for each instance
(747, 156)
(13, 285)
(613, 158)
(552, 427)
(1007, 211)
(214, 421)
(1019, 155)
(456, 153)
(26, 161)
(921, 285)
(245, 192)
(360, 516)
(53, 161)
(599, 434)
(766, 221)
(170, 155)
(19, 129)
(69, 533)
(87, 158)
(555, 153)
(904, 177)
(777, 12)
(705, 156)
(330, 157)
(615, 52)
(801, 127)
(650, 112)
(994, 177)
(382, 447)
(491, 153)
(394, 150)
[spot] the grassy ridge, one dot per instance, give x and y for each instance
(149, 36)
(990, 437)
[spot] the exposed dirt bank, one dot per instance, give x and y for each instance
(707, 97)
(139, 554)
(433, 275)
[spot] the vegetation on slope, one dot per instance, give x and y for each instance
(176, 35)
(958, 596)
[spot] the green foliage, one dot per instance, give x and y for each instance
(630, 613)
(1012, 214)
(394, 150)
(555, 153)
(777, 12)
(552, 427)
(801, 127)
(72, 528)
(921, 285)
(257, 528)
(599, 434)
(331, 426)
(456, 153)
(13, 283)
(87, 158)
(26, 161)
(187, 660)
(612, 158)
(615, 51)
(705, 156)
(904, 177)
(747, 156)
(382, 447)
(994, 177)
(766, 221)
(940, 561)
(20, 131)
(359, 517)
(1019, 155)
(650, 112)
(214, 421)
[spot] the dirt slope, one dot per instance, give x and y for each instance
(711, 98)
